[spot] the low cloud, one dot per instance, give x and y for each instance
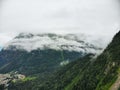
(5, 37)
(96, 17)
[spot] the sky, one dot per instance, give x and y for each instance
(96, 17)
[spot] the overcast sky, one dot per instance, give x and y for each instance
(58, 16)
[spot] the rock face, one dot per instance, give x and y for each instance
(6, 79)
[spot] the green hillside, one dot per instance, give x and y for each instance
(87, 73)
(37, 61)
(100, 73)
(58, 80)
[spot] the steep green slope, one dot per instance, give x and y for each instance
(103, 72)
(94, 74)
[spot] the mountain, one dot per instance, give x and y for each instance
(102, 73)
(30, 53)
(69, 42)
(90, 72)
(97, 73)
(57, 80)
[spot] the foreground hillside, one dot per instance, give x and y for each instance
(101, 73)
(87, 73)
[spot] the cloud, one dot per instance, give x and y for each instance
(57, 42)
(60, 16)
(5, 37)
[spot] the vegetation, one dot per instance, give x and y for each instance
(37, 61)
(2, 87)
(59, 79)
(86, 73)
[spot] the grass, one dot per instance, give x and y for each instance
(28, 79)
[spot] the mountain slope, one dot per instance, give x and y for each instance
(101, 73)
(105, 69)
(57, 80)
(35, 62)
(40, 53)
(87, 73)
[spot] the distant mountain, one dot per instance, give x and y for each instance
(69, 42)
(40, 53)
(90, 72)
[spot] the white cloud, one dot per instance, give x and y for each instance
(56, 42)
(59, 16)
(5, 37)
